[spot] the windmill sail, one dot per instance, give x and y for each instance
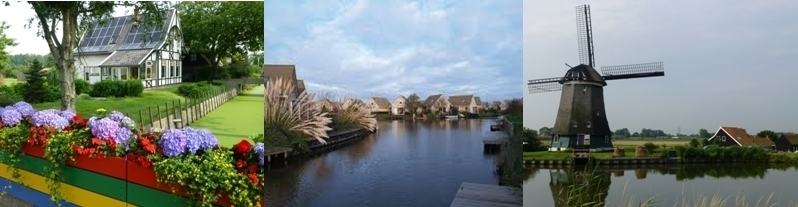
(584, 30)
(642, 70)
(544, 85)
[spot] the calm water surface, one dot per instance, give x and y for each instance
(405, 164)
(670, 185)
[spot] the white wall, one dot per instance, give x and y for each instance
(88, 61)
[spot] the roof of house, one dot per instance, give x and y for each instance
(285, 72)
(431, 100)
(792, 138)
(479, 102)
(120, 33)
(462, 100)
(124, 58)
(300, 84)
(743, 138)
(381, 102)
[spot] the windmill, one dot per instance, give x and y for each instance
(581, 123)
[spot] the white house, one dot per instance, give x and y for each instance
(399, 105)
(121, 49)
(464, 103)
(379, 105)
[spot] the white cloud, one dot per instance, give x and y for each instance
(390, 48)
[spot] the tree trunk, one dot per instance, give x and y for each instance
(67, 68)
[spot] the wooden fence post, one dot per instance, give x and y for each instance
(141, 119)
(149, 111)
(168, 124)
(158, 108)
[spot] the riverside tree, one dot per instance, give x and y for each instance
(75, 16)
(5, 42)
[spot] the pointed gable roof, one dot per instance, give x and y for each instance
(381, 102)
(791, 138)
(462, 100)
(478, 101)
(431, 100)
(742, 138)
(120, 33)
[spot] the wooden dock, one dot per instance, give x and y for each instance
(493, 141)
(277, 153)
(474, 194)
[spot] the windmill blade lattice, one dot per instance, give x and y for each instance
(544, 85)
(641, 70)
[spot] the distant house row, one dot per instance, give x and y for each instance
(735, 136)
(437, 103)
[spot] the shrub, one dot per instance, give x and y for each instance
(132, 88)
(105, 88)
(650, 147)
(82, 86)
(54, 91)
(8, 96)
(530, 136)
(694, 143)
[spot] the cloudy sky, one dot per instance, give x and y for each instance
(392, 47)
(726, 63)
(17, 14)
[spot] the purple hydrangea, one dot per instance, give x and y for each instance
(50, 118)
(193, 139)
(10, 117)
(127, 122)
(91, 121)
(260, 150)
(67, 114)
(123, 137)
(105, 129)
(209, 140)
(116, 116)
(173, 142)
(24, 108)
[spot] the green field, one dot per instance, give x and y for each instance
(637, 142)
(237, 119)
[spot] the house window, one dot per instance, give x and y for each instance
(172, 70)
(556, 138)
(573, 123)
(588, 124)
(163, 71)
(607, 139)
(148, 73)
(722, 138)
(193, 57)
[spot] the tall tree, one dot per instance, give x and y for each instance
(703, 133)
(35, 90)
(5, 42)
(218, 30)
(76, 16)
(413, 103)
(768, 134)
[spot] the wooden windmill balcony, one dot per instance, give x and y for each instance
(581, 152)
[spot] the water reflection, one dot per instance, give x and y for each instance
(569, 186)
(406, 163)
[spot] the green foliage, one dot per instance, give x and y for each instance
(742, 154)
(241, 69)
(36, 90)
(196, 90)
(117, 88)
(5, 41)
(650, 147)
(9, 96)
(82, 86)
(221, 29)
(768, 134)
(58, 150)
(530, 136)
(705, 142)
(11, 141)
(694, 143)
(205, 175)
(703, 133)
(515, 105)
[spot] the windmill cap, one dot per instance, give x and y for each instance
(584, 73)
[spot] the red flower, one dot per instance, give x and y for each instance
(147, 145)
(253, 178)
(242, 147)
(96, 141)
(241, 164)
(253, 169)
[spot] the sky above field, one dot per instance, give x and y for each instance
(390, 48)
(17, 15)
(730, 64)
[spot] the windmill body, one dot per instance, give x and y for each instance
(581, 121)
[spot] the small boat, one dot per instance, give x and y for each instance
(452, 117)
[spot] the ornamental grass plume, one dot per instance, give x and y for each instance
(301, 115)
(357, 113)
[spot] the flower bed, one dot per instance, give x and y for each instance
(145, 165)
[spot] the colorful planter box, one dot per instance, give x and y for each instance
(109, 181)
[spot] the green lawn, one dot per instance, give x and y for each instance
(130, 106)
(237, 119)
(10, 81)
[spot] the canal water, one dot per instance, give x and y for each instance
(666, 185)
(406, 163)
